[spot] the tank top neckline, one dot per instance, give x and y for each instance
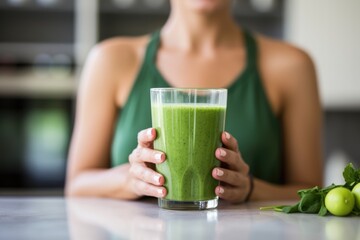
(250, 59)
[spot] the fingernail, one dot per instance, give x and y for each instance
(221, 190)
(160, 192)
(157, 178)
(158, 157)
(219, 172)
(222, 152)
(149, 132)
(227, 135)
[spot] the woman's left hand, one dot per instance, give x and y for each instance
(233, 173)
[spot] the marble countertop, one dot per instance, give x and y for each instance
(61, 218)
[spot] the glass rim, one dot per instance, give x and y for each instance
(187, 89)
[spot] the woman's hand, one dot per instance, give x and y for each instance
(233, 173)
(144, 181)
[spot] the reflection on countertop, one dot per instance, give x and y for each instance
(59, 218)
(108, 219)
(143, 220)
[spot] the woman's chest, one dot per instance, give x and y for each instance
(190, 70)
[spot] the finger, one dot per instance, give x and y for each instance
(229, 142)
(231, 194)
(143, 155)
(146, 137)
(144, 188)
(140, 171)
(233, 178)
(231, 158)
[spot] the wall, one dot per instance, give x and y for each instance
(330, 31)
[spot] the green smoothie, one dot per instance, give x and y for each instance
(189, 135)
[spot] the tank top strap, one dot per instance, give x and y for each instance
(251, 49)
(152, 47)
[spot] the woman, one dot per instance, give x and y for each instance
(273, 120)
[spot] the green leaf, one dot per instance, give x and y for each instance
(291, 209)
(274, 208)
(349, 185)
(312, 200)
(329, 188)
(350, 174)
(282, 208)
(310, 203)
(303, 192)
(355, 212)
(323, 210)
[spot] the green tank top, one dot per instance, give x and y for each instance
(249, 116)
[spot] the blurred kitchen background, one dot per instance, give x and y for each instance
(43, 45)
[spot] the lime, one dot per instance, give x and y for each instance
(356, 192)
(340, 201)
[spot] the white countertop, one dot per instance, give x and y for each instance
(59, 218)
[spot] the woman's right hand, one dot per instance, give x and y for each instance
(144, 180)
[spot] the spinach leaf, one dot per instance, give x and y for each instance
(291, 209)
(355, 211)
(304, 192)
(351, 175)
(329, 188)
(310, 202)
(282, 208)
(323, 210)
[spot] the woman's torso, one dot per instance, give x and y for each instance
(250, 116)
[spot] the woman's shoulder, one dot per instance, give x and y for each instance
(285, 70)
(281, 55)
(113, 64)
(284, 63)
(120, 50)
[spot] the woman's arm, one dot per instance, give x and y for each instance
(291, 73)
(301, 117)
(88, 172)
